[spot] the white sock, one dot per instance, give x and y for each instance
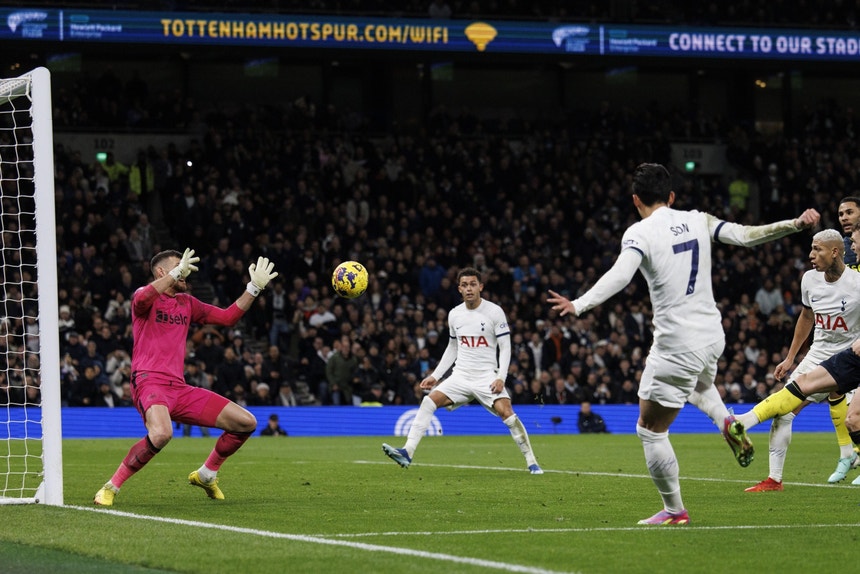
(749, 419)
(206, 474)
(420, 425)
(846, 450)
(710, 403)
(521, 437)
(663, 467)
(780, 438)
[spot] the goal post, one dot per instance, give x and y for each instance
(31, 464)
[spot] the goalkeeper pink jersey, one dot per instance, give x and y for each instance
(160, 326)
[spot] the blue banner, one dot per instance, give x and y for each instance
(125, 422)
(437, 36)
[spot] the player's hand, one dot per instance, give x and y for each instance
(428, 383)
(497, 386)
(186, 265)
(262, 272)
(782, 369)
(807, 219)
(560, 303)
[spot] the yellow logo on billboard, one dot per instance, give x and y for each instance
(480, 34)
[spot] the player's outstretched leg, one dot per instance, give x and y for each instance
(663, 468)
(778, 441)
(206, 477)
(138, 455)
(398, 455)
(736, 436)
(521, 437)
(848, 458)
(420, 424)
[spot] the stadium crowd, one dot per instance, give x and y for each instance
(531, 206)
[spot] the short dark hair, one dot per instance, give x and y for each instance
(468, 272)
(850, 199)
(163, 255)
(652, 183)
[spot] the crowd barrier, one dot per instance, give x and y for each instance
(125, 422)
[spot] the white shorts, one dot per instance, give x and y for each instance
(462, 388)
(668, 379)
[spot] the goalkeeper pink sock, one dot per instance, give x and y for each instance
(137, 457)
(227, 444)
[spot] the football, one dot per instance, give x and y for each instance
(349, 279)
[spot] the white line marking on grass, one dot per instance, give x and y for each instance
(610, 474)
(313, 539)
(640, 528)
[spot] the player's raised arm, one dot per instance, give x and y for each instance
(751, 235)
(261, 272)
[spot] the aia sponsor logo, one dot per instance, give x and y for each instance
(473, 342)
(830, 323)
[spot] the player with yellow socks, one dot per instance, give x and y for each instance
(839, 373)
(831, 313)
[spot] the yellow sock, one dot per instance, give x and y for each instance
(838, 412)
(779, 403)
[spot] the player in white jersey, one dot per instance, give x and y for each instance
(838, 315)
(830, 293)
(672, 248)
(479, 349)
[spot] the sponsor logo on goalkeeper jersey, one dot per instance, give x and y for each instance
(162, 317)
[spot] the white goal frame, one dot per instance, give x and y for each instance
(36, 85)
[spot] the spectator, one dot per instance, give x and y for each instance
(769, 297)
(286, 397)
(341, 369)
(273, 427)
(589, 421)
(439, 9)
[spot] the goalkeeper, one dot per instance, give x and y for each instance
(162, 313)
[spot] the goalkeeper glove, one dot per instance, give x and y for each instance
(261, 273)
(186, 265)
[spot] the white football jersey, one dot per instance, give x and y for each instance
(836, 307)
(477, 332)
(676, 261)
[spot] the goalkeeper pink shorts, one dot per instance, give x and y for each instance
(186, 404)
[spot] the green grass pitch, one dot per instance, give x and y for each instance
(466, 505)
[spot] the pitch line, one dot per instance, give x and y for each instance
(676, 529)
(313, 539)
(608, 474)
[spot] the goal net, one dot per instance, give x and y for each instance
(30, 432)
